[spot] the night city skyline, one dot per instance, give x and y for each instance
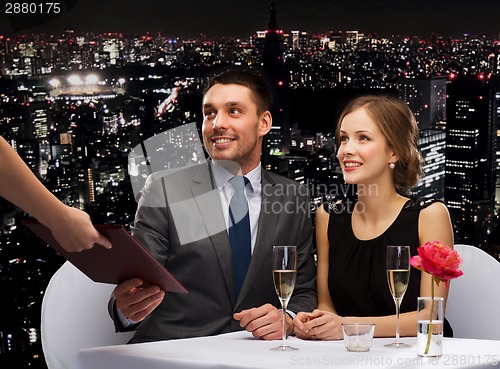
(240, 18)
(78, 93)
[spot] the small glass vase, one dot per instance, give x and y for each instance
(430, 326)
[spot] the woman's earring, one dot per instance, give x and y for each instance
(392, 165)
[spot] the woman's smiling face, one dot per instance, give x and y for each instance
(363, 152)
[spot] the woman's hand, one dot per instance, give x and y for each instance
(73, 230)
(319, 324)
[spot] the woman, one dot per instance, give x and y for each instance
(377, 138)
(71, 227)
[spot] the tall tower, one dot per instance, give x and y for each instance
(427, 100)
(273, 23)
(273, 46)
(470, 157)
(278, 139)
(432, 145)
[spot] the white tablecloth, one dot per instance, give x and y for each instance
(241, 350)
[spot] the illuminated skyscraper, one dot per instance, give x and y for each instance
(112, 46)
(39, 118)
(351, 39)
(432, 145)
(495, 111)
(427, 100)
(470, 157)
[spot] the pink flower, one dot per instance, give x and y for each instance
(438, 260)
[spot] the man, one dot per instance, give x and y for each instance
(191, 233)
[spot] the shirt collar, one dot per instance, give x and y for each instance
(222, 176)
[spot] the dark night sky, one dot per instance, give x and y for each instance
(242, 18)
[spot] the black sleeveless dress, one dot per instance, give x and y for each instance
(357, 278)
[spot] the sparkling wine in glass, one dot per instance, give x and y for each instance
(398, 276)
(284, 274)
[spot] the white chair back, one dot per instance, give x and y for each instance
(473, 306)
(75, 316)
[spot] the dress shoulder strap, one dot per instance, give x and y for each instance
(420, 203)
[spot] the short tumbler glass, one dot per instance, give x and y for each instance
(358, 336)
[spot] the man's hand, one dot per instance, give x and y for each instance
(137, 302)
(264, 322)
(298, 326)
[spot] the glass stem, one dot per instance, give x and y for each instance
(398, 302)
(283, 334)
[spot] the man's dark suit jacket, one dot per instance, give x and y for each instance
(180, 220)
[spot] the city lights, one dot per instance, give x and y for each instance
(80, 102)
(54, 82)
(75, 80)
(91, 79)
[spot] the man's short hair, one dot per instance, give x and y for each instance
(257, 84)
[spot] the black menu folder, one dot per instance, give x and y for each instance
(127, 259)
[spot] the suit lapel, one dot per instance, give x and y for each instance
(265, 233)
(208, 202)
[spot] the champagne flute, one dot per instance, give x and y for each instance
(284, 274)
(398, 276)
